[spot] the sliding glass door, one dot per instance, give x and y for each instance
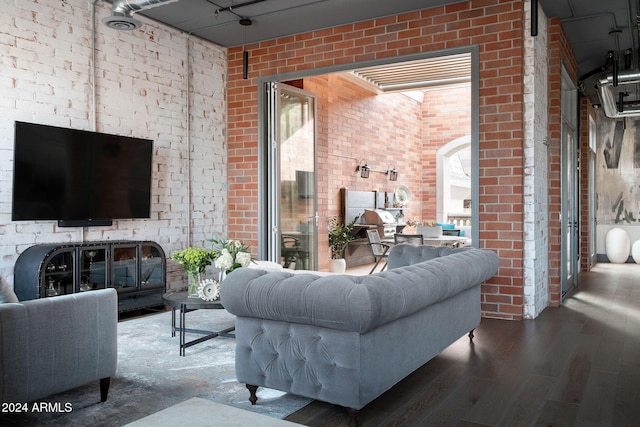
(290, 174)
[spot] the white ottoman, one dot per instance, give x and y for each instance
(617, 245)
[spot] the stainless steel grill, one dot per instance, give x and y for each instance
(384, 221)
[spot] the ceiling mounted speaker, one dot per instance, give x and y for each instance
(124, 23)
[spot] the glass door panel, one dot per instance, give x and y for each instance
(297, 182)
(151, 267)
(92, 264)
(124, 275)
(569, 208)
(58, 274)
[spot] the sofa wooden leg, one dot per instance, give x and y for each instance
(252, 393)
(353, 413)
(104, 388)
(471, 336)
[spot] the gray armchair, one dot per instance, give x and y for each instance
(51, 345)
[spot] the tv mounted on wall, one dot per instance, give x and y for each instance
(79, 178)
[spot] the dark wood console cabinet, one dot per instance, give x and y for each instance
(136, 269)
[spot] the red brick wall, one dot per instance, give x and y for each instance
(385, 130)
(496, 27)
(447, 116)
(586, 111)
(560, 54)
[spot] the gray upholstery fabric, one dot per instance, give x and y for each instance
(348, 368)
(354, 303)
(6, 293)
(347, 339)
(50, 345)
(404, 255)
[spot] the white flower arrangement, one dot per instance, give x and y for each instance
(230, 254)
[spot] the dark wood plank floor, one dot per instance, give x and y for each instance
(577, 365)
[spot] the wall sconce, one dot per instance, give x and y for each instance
(393, 173)
(363, 169)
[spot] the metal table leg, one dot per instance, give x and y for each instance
(173, 321)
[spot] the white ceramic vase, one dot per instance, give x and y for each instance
(617, 245)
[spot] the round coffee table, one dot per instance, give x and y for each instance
(182, 301)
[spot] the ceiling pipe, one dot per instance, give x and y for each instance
(609, 103)
(122, 11)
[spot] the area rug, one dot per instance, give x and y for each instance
(200, 412)
(152, 376)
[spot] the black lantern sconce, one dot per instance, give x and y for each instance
(393, 173)
(363, 169)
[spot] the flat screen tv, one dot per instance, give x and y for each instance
(79, 178)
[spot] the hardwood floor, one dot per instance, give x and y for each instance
(577, 365)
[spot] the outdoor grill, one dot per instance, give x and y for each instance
(384, 221)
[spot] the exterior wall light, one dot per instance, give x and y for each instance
(393, 173)
(363, 169)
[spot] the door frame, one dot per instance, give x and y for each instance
(592, 192)
(266, 248)
(569, 184)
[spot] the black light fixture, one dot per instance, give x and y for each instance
(363, 169)
(534, 18)
(393, 173)
(245, 22)
(245, 64)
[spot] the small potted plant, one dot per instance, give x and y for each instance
(339, 237)
(194, 260)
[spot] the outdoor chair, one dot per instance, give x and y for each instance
(289, 250)
(378, 249)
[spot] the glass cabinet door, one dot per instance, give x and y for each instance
(124, 276)
(92, 264)
(151, 268)
(57, 275)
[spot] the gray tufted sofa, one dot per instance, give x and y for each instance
(347, 339)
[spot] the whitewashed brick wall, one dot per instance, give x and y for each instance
(148, 84)
(536, 171)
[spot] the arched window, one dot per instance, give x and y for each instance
(453, 181)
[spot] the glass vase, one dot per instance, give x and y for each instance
(194, 284)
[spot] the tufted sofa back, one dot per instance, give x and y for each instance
(355, 303)
(403, 255)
